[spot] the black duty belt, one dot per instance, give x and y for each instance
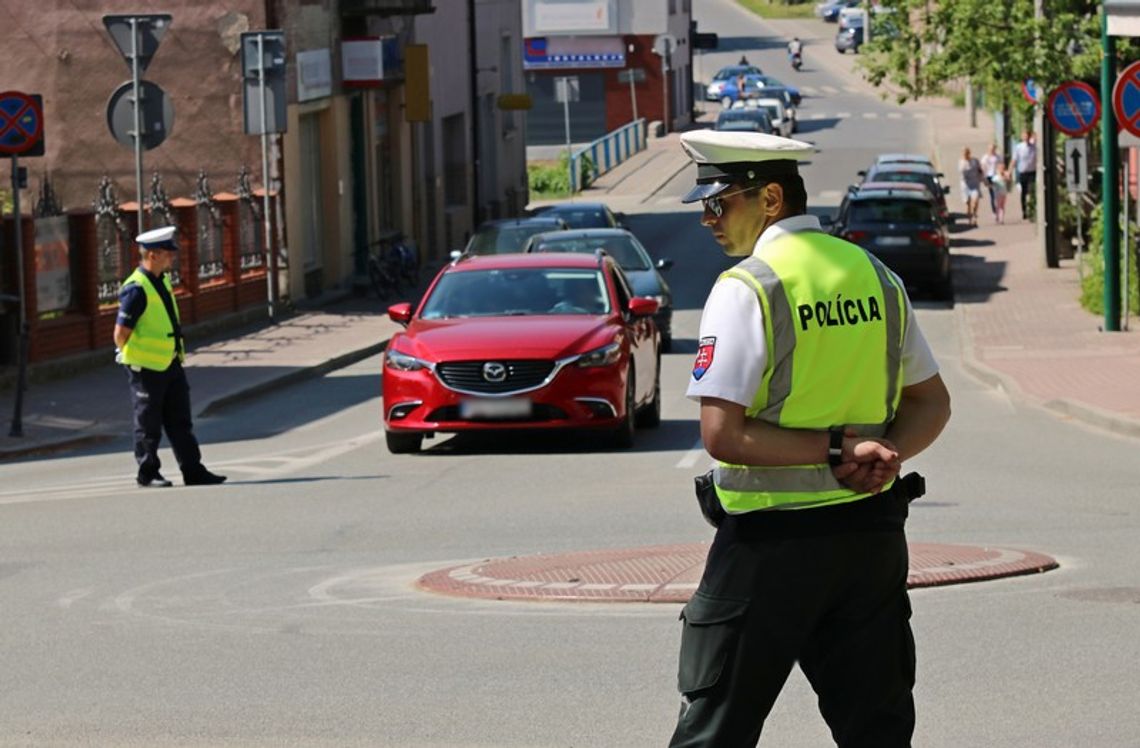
(884, 511)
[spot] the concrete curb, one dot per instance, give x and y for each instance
(299, 375)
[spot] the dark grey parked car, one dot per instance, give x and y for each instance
(643, 273)
(582, 215)
(902, 228)
(508, 235)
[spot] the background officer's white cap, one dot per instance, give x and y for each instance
(157, 239)
(725, 158)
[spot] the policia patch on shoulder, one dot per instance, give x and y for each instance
(704, 357)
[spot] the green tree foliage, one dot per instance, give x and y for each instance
(919, 45)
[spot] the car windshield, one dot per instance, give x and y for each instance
(504, 239)
(912, 177)
(517, 292)
(890, 211)
(581, 218)
(738, 118)
(627, 254)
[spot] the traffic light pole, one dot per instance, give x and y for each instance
(1110, 187)
(17, 428)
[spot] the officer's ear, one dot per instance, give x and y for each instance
(772, 199)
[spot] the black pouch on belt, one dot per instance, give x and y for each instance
(707, 499)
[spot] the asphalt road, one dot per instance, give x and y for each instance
(279, 609)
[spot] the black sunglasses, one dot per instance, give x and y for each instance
(713, 204)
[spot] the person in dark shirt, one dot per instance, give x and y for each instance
(148, 336)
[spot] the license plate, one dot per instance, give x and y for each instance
(893, 241)
(495, 408)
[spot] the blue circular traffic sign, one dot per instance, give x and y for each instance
(1031, 91)
(1074, 108)
(21, 123)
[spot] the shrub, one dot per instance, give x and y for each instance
(1092, 281)
(551, 180)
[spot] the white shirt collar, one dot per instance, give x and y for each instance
(793, 225)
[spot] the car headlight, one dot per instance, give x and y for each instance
(404, 362)
(604, 356)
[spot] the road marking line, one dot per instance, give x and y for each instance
(829, 89)
(919, 115)
(692, 456)
(870, 115)
(816, 115)
(853, 89)
(894, 115)
(843, 115)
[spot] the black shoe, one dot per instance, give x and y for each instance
(202, 477)
(153, 480)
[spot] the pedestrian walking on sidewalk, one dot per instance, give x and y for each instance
(1000, 191)
(1025, 164)
(990, 161)
(148, 336)
(972, 177)
(809, 429)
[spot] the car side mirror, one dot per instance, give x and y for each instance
(455, 254)
(642, 306)
(861, 174)
(664, 263)
(400, 313)
(826, 220)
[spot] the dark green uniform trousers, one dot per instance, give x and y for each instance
(825, 590)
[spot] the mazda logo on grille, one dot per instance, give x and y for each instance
(493, 371)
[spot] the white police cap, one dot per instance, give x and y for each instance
(156, 239)
(725, 158)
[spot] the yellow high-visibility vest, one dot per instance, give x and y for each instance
(151, 344)
(834, 322)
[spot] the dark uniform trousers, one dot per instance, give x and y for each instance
(825, 590)
(161, 400)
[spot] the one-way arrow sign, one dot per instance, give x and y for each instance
(151, 29)
(1076, 165)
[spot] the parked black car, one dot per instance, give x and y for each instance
(643, 273)
(902, 228)
(923, 174)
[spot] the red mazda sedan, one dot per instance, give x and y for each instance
(523, 341)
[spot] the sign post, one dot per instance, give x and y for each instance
(21, 133)
(566, 90)
(267, 50)
(137, 37)
(633, 75)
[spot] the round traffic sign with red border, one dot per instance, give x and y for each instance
(1031, 91)
(1126, 99)
(21, 123)
(1074, 108)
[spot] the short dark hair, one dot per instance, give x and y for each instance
(795, 194)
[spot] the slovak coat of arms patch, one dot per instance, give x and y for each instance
(704, 358)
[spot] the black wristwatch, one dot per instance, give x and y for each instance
(835, 447)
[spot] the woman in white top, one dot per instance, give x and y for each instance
(971, 172)
(990, 162)
(999, 190)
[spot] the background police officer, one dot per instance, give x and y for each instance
(815, 384)
(148, 335)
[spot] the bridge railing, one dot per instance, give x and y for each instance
(607, 151)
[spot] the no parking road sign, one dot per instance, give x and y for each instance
(1074, 108)
(1126, 99)
(21, 124)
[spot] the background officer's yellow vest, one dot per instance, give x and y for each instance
(834, 321)
(151, 345)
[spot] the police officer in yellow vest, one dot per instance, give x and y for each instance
(148, 335)
(815, 384)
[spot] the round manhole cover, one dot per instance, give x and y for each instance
(671, 573)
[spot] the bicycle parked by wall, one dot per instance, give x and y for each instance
(393, 264)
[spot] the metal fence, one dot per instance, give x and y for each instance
(607, 151)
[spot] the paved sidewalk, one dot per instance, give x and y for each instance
(1021, 324)
(95, 405)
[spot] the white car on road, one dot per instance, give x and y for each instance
(783, 120)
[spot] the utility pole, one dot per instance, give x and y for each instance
(1110, 187)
